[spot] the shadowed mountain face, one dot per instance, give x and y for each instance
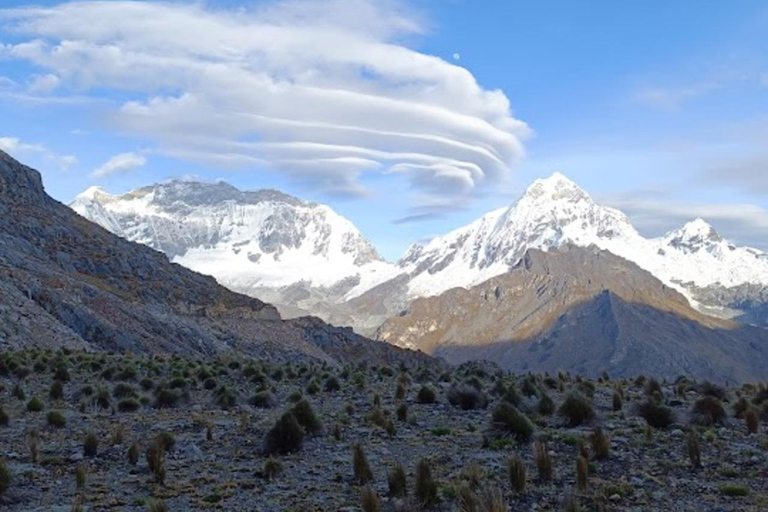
(583, 310)
(66, 282)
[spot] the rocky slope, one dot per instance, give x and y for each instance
(66, 282)
(294, 253)
(584, 310)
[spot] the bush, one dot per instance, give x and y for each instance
(123, 390)
(5, 477)
(740, 407)
(511, 395)
(425, 488)
(35, 405)
(272, 468)
(517, 474)
(80, 476)
(652, 387)
(577, 409)
(582, 473)
(156, 459)
(601, 445)
(90, 445)
(734, 490)
(3, 417)
(426, 395)
(710, 389)
(655, 414)
(264, 400)
(57, 390)
(402, 412)
(543, 460)
(546, 405)
(467, 397)
(360, 466)
(286, 436)
(707, 411)
(398, 486)
(306, 417)
(56, 419)
(165, 398)
(694, 449)
(752, 420)
(369, 500)
(167, 439)
(618, 401)
(133, 454)
(507, 419)
(332, 384)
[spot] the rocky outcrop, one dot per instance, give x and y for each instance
(585, 310)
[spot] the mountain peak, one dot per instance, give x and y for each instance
(693, 235)
(556, 187)
(91, 193)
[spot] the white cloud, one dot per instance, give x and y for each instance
(16, 147)
(672, 98)
(120, 164)
(741, 223)
(322, 91)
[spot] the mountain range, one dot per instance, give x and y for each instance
(306, 259)
(67, 282)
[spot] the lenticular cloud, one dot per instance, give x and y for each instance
(324, 91)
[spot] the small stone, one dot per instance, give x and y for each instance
(615, 497)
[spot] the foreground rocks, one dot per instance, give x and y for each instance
(217, 462)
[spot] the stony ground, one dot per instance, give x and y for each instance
(217, 463)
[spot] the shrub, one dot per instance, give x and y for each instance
(734, 490)
(582, 473)
(402, 412)
(467, 397)
(147, 384)
(426, 395)
(546, 404)
(390, 428)
(272, 468)
(123, 390)
(694, 448)
(652, 387)
(369, 500)
(80, 476)
(529, 387)
(225, 397)
(618, 401)
(511, 396)
(507, 419)
(128, 405)
(332, 384)
(157, 506)
(35, 405)
(361, 468)
(543, 460)
(133, 454)
(377, 417)
(707, 411)
(313, 388)
(90, 445)
(61, 374)
(577, 409)
(5, 477)
(425, 488)
(397, 482)
(56, 419)
(710, 389)
(286, 435)
(32, 437)
(601, 445)
(18, 392)
(400, 391)
(167, 439)
(165, 398)
(655, 414)
(517, 474)
(57, 390)
(264, 400)
(156, 460)
(752, 420)
(306, 417)
(3, 417)
(294, 397)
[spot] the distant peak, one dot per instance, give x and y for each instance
(91, 193)
(557, 186)
(694, 233)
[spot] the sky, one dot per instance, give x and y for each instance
(410, 118)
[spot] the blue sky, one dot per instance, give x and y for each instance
(658, 108)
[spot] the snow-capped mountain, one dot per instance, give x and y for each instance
(554, 212)
(251, 241)
(304, 257)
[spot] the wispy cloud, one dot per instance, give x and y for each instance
(120, 164)
(653, 213)
(324, 92)
(16, 147)
(672, 98)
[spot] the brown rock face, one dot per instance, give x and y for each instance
(584, 310)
